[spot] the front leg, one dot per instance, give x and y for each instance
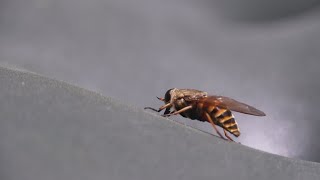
(166, 106)
(178, 112)
(161, 108)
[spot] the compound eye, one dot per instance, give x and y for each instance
(167, 96)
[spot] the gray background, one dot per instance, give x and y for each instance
(264, 53)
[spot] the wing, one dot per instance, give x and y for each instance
(233, 105)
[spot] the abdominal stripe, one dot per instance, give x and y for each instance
(225, 119)
(217, 112)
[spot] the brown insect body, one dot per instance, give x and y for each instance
(200, 107)
(195, 104)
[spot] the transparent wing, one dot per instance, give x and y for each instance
(233, 105)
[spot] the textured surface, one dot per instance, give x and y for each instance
(135, 50)
(52, 130)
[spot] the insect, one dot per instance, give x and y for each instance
(198, 105)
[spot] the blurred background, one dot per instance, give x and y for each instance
(262, 52)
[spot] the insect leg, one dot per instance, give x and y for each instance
(167, 111)
(225, 133)
(161, 108)
(178, 112)
(165, 106)
(153, 109)
(213, 125)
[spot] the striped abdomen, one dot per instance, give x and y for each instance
(221, 117)
(225, 119)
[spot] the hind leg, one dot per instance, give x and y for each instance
(226, 134)
(213, 125)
